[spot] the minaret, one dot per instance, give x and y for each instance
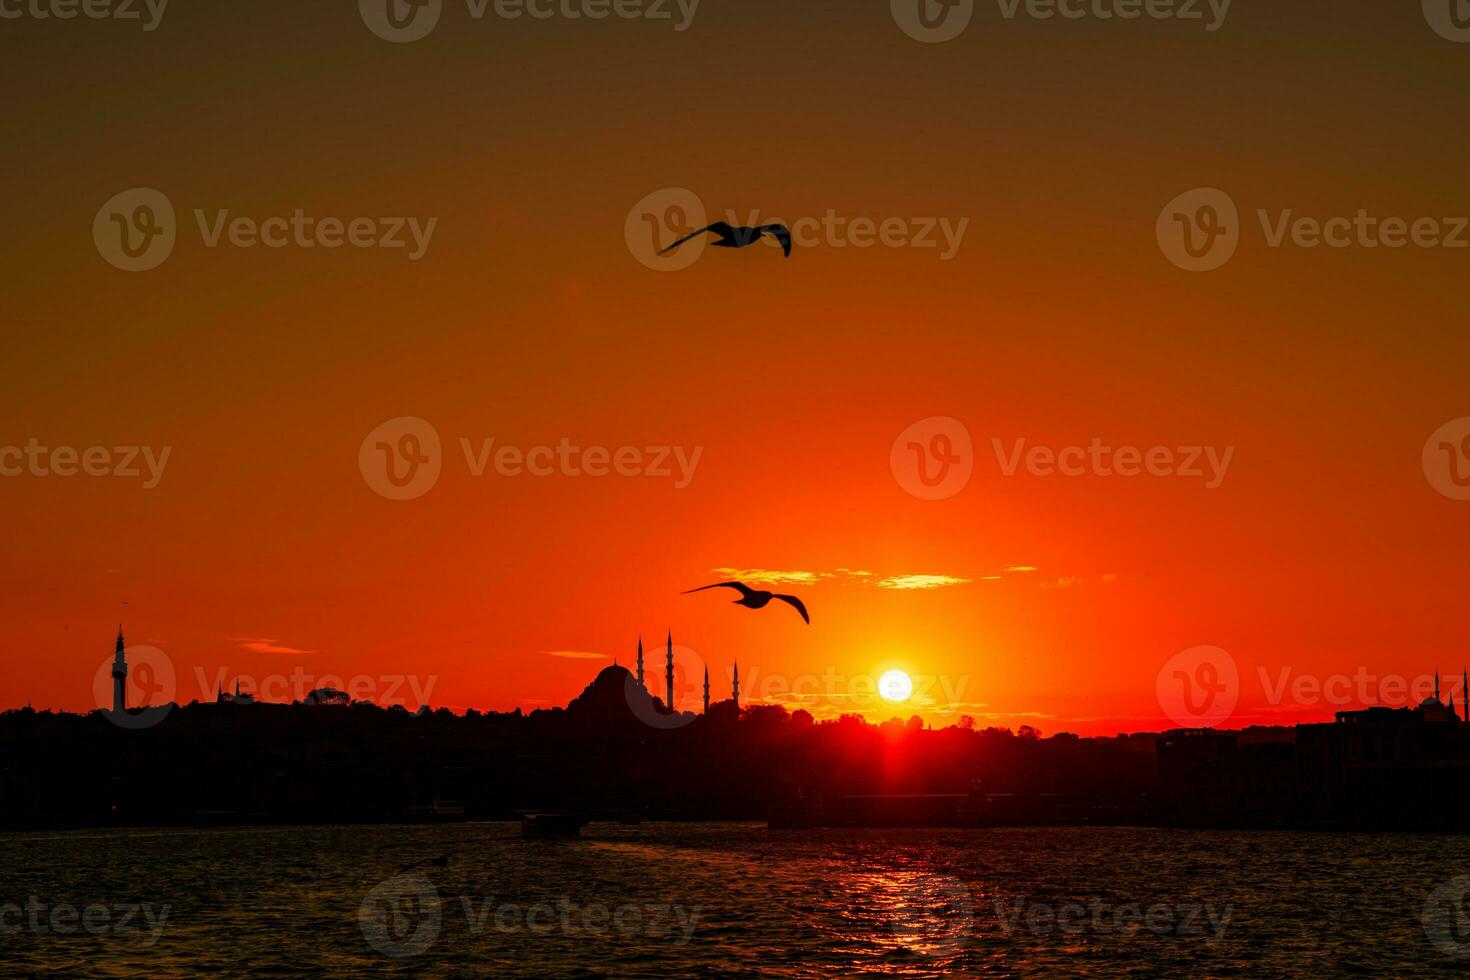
(119, 675)
(735, 687)
(706, 690)
(669, 672)
(640, 662)
(1436, 683)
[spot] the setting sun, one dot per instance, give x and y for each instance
(895, 686)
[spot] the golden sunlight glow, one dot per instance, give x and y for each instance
(895, 686)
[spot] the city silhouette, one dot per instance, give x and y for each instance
(618, 750)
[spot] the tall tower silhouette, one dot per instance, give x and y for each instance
(669, 672)
(735, 687)
(119, 675)
(640, 660)
(706, 690)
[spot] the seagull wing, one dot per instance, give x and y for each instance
(782, 234)
(744, 590)
(720, 228)
(800, 606)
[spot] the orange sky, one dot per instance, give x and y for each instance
(263, 551)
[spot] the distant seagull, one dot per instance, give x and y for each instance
(739, 237)
(755, 598)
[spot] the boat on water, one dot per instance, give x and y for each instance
(439, 811)
(552, 824)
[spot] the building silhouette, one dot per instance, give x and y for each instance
(119, 675)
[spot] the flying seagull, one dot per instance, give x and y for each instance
(756, 598)
(740, 237)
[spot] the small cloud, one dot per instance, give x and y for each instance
(1020, 568)
(766, 576)
(576, 654)
(257, 644)
(906, 582)
(1069, 581)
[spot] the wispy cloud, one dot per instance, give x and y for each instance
(1067, 582)
(907, 582)
(257, 644)
(576, 654)
(766, 576)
